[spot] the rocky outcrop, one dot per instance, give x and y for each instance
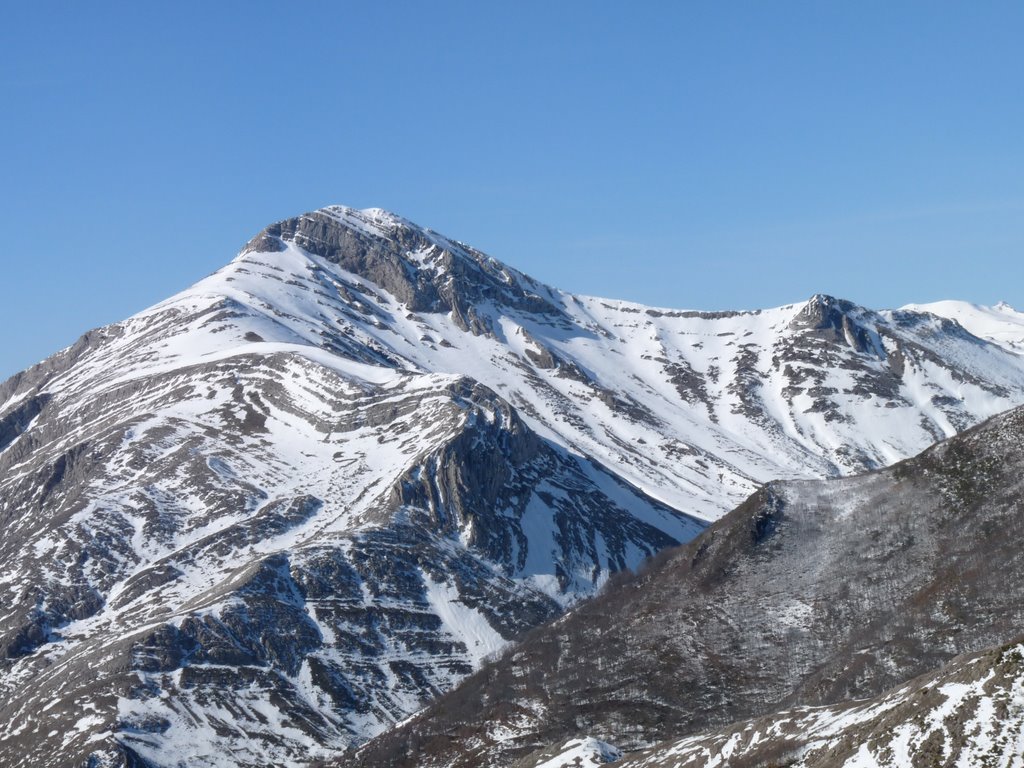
(423, 270)
(837, 320)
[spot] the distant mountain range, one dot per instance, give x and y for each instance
(269, 518)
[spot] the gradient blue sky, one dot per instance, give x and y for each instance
(684, 154)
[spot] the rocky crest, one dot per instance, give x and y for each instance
(421, 269)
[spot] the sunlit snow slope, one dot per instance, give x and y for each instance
(687, 406)
(278, 512)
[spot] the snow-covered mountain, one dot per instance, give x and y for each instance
(278, 512)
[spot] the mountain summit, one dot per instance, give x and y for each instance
(271, 516)
(423, 270)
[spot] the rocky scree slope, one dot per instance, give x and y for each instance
(810, 593)
(280, 511)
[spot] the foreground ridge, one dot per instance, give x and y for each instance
(970, 712)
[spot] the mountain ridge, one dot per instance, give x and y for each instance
(406, 483)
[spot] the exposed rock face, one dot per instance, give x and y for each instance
(810, 593)
(266, 519)
(836, 320)
(421, 269)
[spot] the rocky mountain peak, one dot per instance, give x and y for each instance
(825, 311)
(839, 320)
(421, 268)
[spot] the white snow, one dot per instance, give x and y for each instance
(580, 753)
(465, 624)
(1000, 324)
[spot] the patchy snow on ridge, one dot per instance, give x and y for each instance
(970, 713)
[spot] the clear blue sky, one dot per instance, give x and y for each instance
(686, 154)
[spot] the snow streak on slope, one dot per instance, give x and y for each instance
(279, 511)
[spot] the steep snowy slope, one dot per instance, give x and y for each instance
(810, 593)
(278, 512)
(259, 558)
